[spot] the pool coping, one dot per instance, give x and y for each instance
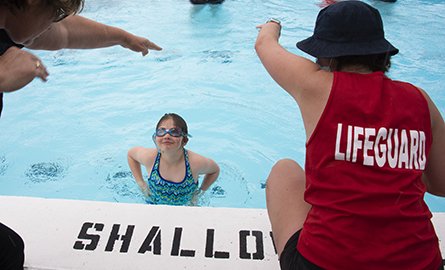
(78, 234)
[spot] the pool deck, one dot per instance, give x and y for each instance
(71, 234)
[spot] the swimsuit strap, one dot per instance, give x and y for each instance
(156, 164)
(188, 170)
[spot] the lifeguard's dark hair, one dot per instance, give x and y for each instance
(177, 120)
(375, 62)
(69, 6)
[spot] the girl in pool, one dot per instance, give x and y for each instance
(374, 147)
(173, 170)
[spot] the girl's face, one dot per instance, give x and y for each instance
(167, 141)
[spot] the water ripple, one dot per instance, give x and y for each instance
(218, 192)
(223, 57)
(45, 171)
(3, 165)
(123, 184)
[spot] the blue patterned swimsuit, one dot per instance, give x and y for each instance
(167, 192)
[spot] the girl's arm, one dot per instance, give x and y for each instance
(202, 165)
(211, 171)
(136, 157)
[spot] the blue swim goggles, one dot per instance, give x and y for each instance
(174, 132)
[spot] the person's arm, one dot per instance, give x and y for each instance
(18, 68)
(211, 171)
(135, 158)
(292, 72)
(434, 175)
(300, 77)
(77, 32)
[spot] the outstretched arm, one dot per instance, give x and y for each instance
(77, 32)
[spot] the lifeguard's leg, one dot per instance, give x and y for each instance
(285, 204)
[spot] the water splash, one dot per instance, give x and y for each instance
(218, 192)
(45, 171)
(223, 57)
(123, 185)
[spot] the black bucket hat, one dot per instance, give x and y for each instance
(347, 28)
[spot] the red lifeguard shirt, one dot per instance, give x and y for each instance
(364, 163)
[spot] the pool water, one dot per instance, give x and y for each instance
(68, 138)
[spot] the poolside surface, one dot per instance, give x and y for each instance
(71, 234)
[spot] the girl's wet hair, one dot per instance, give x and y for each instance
(70, 7)
(177, 120)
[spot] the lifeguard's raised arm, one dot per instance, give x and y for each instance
(300, 77)
(434, 175)
(77, 32)
(292, 72)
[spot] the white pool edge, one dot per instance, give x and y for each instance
(72, 234)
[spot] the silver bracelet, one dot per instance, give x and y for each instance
(274, 21)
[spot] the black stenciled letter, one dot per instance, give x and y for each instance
(155, 233)
(177, 243)
(94, 238)
(126, 238)
(210, 240)
(259, 254)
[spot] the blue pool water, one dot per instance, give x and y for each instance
(68, 138)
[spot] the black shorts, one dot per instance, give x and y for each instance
(12, 247)
(291, 259)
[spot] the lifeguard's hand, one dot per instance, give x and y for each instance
(140, 44)
(271, 27)
(18, 68)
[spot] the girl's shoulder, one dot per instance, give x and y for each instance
(150, 155)
(196, 160)
(143, 155)
(140, 150)
(199, 163)
(194, 157)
